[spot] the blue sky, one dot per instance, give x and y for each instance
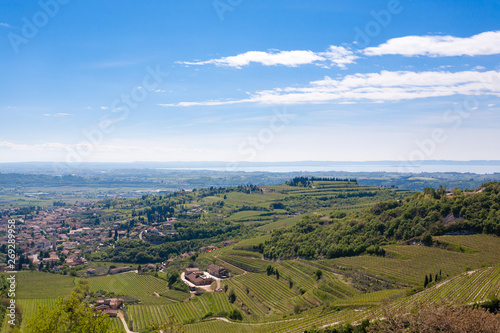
(241, 80)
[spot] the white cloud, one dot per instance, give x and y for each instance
(5, 25)
(335, 55)
(374, 87)
(486, 43)
(339, 56)
(104, 107)
(209, 103)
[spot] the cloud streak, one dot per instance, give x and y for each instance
(334, 55)
(486, 43)
(373, 87)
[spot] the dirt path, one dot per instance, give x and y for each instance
(125, 326)
(266, 323)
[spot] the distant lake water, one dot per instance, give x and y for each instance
(479, 169)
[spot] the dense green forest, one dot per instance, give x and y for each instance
(428, 213)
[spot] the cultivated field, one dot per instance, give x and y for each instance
(139, 286)
(33, 284)
(185, 312)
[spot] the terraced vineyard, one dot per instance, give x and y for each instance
(188, 311)
(243, 253)
(232, 268)
(268, 304)
(268, 289)
(249, 302)
(176, 295)
(249, 215)
(373, 298)
(139, 286)
(297, 323)
(470, 287)
(409, 264)
(246, 263)
(321, 195)
(291, 270)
